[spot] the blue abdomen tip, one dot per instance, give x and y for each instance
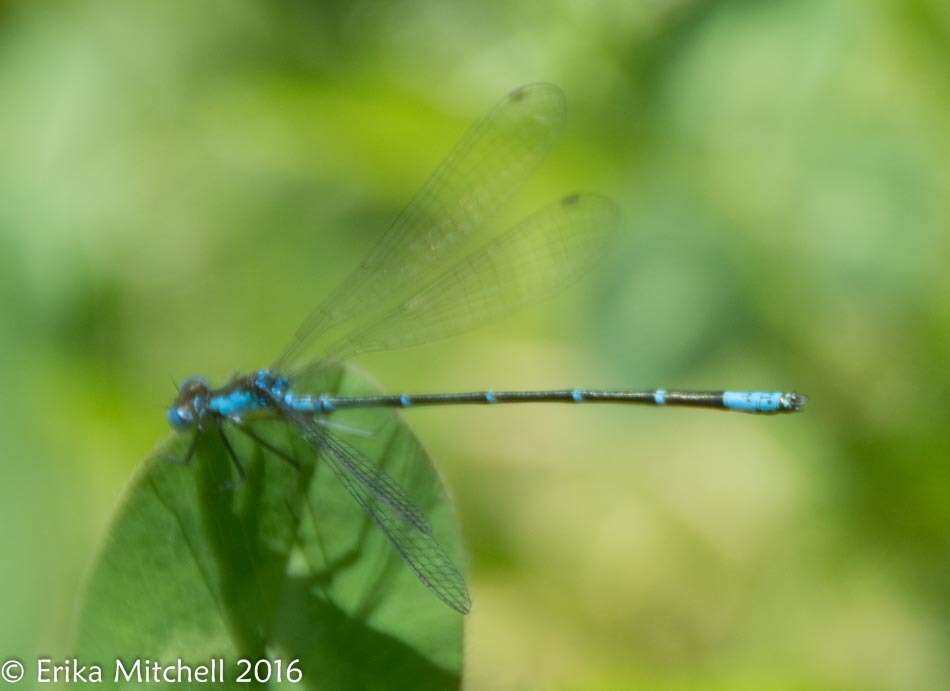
(753, 401)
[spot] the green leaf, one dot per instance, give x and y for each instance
(284, 564)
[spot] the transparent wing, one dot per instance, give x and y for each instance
(404, 524)
(538, 257)
(474, 181)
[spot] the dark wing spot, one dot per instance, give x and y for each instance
(517, 94)
(570, 200)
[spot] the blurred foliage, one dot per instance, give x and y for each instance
(180, 182)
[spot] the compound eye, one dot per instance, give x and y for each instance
(180, 417)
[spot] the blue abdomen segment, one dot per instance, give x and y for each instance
(753, 401)
(309, 404)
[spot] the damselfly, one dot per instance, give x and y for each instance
(433, 275)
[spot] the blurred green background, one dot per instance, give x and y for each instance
(180, 182)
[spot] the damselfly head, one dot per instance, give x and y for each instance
(190, 404)
(193, 385)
